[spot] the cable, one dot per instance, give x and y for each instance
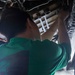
(21, 5)
(39, 6)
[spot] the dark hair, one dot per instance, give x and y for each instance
(13, 22)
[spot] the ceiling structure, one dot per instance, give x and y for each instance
(45, 12)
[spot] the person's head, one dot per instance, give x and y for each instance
(15, 21)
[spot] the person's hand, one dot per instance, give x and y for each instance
(3, 38)
(63, 14)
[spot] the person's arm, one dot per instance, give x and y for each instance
(49, 34)
(63, 38)
(62, 31)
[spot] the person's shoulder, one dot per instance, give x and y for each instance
(44, 42)
(47, 47)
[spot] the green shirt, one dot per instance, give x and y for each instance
(23, 56)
